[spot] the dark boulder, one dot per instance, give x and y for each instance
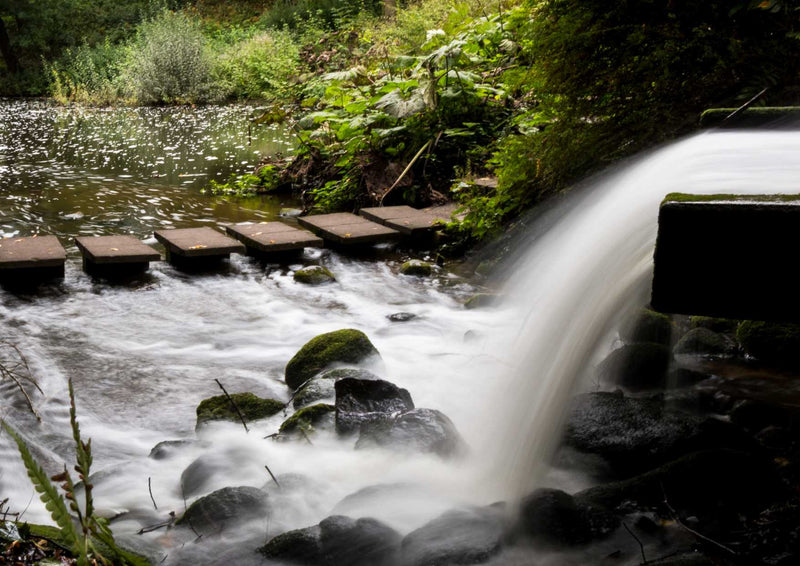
(462, 536)
(360, 401)
(401, 316)
(309, 419)
(320, 387)
(224, 508)
(771, 342)
(648, 326)
(362, 542)
(199, 473)
(419, 430)
(637, 366)
(167, 448)
(705, 342)
(301, 547)
(347, 346)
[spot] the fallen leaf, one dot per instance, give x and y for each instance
(114, 249)
(272, 241)
(198, 247)
(347, 235)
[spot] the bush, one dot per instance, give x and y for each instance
(169, 62)
(87, 74)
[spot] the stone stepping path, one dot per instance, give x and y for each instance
(197, 245)
(410, 221)
(348, 229)
(112, 253)
(37, 257)
(273, 237)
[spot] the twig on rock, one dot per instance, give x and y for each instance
(641, 546)
(691, 530)
(233, 404)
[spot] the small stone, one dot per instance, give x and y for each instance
(416, 268)
(401, 316)
(308, 419)
(314, 275)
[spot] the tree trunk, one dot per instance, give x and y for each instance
(12, 63)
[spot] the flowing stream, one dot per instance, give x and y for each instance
(142, 357)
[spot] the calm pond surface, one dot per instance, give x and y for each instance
(73, 171)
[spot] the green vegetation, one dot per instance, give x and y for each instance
(250, 406)
(686, 197)
(413, 101)
(305, 418)
(92, 541)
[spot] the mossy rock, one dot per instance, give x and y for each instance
(481, 300)
(648, 326)
(771, 342)
(347, 346)
(219, 408)
(417, 268)
(314, 275)
(721, 325)
(637, 366)
(321, 387)
(306, 418)
(705, 342)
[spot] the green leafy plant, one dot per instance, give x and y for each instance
(88, 536)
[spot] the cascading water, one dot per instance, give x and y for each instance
(142, 358)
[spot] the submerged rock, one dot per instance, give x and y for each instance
(199, 473)
(419, 430)
(417, 268)
(360, 401)
(166, 448)
(321, 387)
(648, 326)
(771, 342)
(705, 342)
(637, 366)
(301, 546)
(314, 275)
(347, 346)
(224, 508)
(308, 419)
(401, 316)
(462, 536)
(251, 407)
(481, 300)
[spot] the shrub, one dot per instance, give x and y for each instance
(169, 62)
(87, 74)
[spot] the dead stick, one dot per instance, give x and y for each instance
(272, 476)
(691, 530)
(235, 407)
(641, 546)
(150, 489)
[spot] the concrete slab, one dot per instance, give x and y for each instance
(205, 242)
(410, 221)
(728, 256)
(31, 252)
(273, 237)
(381, 214)
(115, 250)
(348, 229)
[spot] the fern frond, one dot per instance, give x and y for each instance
(48, 493)
(83, 452)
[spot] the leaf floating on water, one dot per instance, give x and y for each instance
(198, 247)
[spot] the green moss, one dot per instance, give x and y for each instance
(348, 346)
(417, 268)
(314, 275)
(481, 300)
(721, 325)
(771, 342)
(686, 197)
(648, 326)
(306, 418)
(252, 408)
(705, 342)
(715, 116)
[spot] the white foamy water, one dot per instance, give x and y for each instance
(143, 358)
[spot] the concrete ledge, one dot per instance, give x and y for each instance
(729, 256)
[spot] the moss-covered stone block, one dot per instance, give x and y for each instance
(771, 342)
(314, 275)
(416, 267)
(307, 418)
(648, 326)
(251, 406)
(346, 346)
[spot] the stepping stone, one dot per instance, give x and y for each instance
(197, 247)
(273, 237)
(115, 255)
(348, 229)
(32, 259)
(407, 220)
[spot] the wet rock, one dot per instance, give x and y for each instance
(648, 326)
(301, 546)
(713, 485)
(314, 275)
(251, 407)
(463, 536)
(637, 434)
(417, 268)
(321, 387)
(401, 316)
(705, 342)
(637, 366)
(360, 401)
(553, 518)
(224, 508)
(362, 542)
(167, 448)
(771, 342)
(347, 346)
(721, 325)
(199, 473)
(419, 430)
(481, 300)
(309, 419)
(688, 559)
(684, 377)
